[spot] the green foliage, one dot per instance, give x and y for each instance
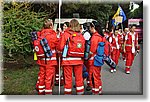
(137, 13)
(18, 21)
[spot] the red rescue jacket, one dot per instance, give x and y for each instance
(62, 42)
(52, 35)
(113, 42)
(128, 39)
(96, 38)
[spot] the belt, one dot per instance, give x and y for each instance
(128, 45)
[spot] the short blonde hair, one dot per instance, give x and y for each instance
(47, 23)
(74, 25)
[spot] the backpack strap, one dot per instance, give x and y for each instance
(84, 32)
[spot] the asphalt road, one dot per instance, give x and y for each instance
(119, 83)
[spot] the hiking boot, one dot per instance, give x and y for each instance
(88, 88)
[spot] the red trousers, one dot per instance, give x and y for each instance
(129, 59)
(115, 55)
(95, 79)
(37, 83)
(68, 71)
(57, 76)
(123, 55)
(87, 68)
(46, 78)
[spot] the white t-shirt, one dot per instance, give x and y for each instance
(126, 37)
(133, 39)
(133, 44)
(116, 38)
(87, 36)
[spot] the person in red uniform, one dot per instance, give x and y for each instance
(71, 64)
(126, 31)
(47, 66)
(131, 47)
(65, 26)
(106, 34)
(120, 34)
(47, 22)
(94, 71)
(115, 44)
(87, 35)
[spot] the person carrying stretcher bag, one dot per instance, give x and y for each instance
(45, 48)
(107, 55)
(94, 62)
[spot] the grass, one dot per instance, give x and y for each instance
(20, 81)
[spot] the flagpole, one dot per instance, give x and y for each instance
(122, 27)
(59, 36)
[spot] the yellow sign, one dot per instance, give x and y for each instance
(118, 19)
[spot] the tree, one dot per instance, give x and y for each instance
(18, 21)
(137, 13)
(98, 12)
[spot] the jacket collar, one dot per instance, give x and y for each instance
(96, 33)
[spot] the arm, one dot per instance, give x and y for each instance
(94, 44)
(124, 46)
(110, 39)
(126, 37)
(61, 43)
(137, 45)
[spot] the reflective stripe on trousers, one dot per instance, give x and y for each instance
(68, 91)
(42, 86)
(48, 92)
(80, 90)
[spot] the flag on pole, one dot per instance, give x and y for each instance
(119, 13)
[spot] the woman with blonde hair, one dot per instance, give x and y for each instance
(72, 62)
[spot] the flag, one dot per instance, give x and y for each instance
(119, 12)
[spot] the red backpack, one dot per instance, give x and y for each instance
(76, 45)
(48, 36)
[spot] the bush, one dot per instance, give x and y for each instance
(18, 22)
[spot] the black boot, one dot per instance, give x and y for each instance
(88, 88)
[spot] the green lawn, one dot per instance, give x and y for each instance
(20, 81)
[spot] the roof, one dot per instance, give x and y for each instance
(81, 21)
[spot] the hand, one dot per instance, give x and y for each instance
(124, 51)
(59, 29)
